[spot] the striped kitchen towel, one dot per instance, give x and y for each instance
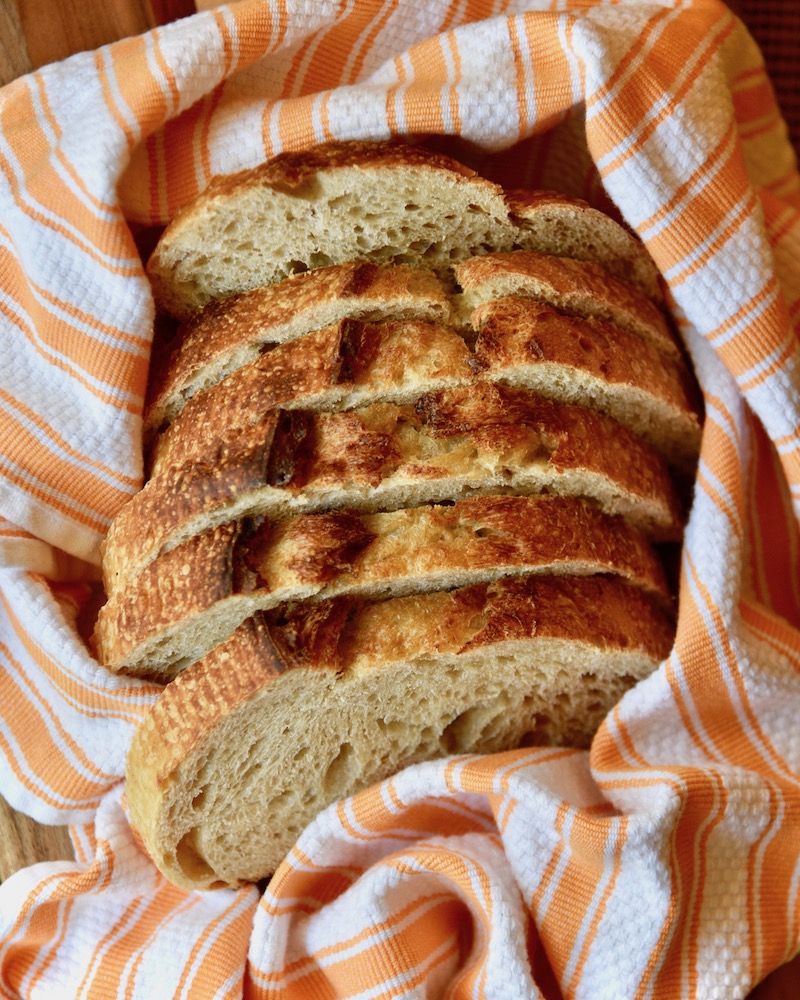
(663, 863)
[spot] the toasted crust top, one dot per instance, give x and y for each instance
(623, 253)
(415, 549)
(290, 171)
(297, 453)
(498, 274)
(391, 357)
(231, 332)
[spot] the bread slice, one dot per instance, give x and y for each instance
(480, 438)
(521, 343)
(245, 747)
(593, 363)
(554, 224)
(231, 333)
(571, 286)
(337, 202)
(191, 598)
(373, 201)
(343, 366)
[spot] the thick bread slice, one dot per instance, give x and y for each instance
(374, 201)
(245, 747)
(229, 334)
(522, 343)
(336, 202)
(569, 227)
(571, 286)
(339, 367)
(593, 363)
(482, 438)
(191, 598)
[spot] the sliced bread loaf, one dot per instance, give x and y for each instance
(246, 746)
(190, 599)
(521, 343)
(481, 438)
(229, 334)
(408, 460)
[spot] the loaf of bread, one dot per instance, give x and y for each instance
(411, 455)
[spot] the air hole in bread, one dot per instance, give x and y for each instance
(190, 860)
(319, 260)
(391, 727)
(199, 798)
(472, 726)
(340, 770)
(537, 736)
(251, 771)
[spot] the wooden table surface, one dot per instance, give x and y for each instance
(36, 32)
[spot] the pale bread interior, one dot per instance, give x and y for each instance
(294, 750)
(265, 235)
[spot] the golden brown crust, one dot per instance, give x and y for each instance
(316, 555)
(240, 325)
(293, 170)
(517, 332)
(585, 233)
(355, 363)
(515, 329)
(322, 368)
(179, 586)
(598, 610)
(573, 282)
(191, 704)
(296, 457)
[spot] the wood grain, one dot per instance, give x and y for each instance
(36, 32)
(14, 58)
(23, 842)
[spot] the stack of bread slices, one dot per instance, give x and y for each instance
(411, 456)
